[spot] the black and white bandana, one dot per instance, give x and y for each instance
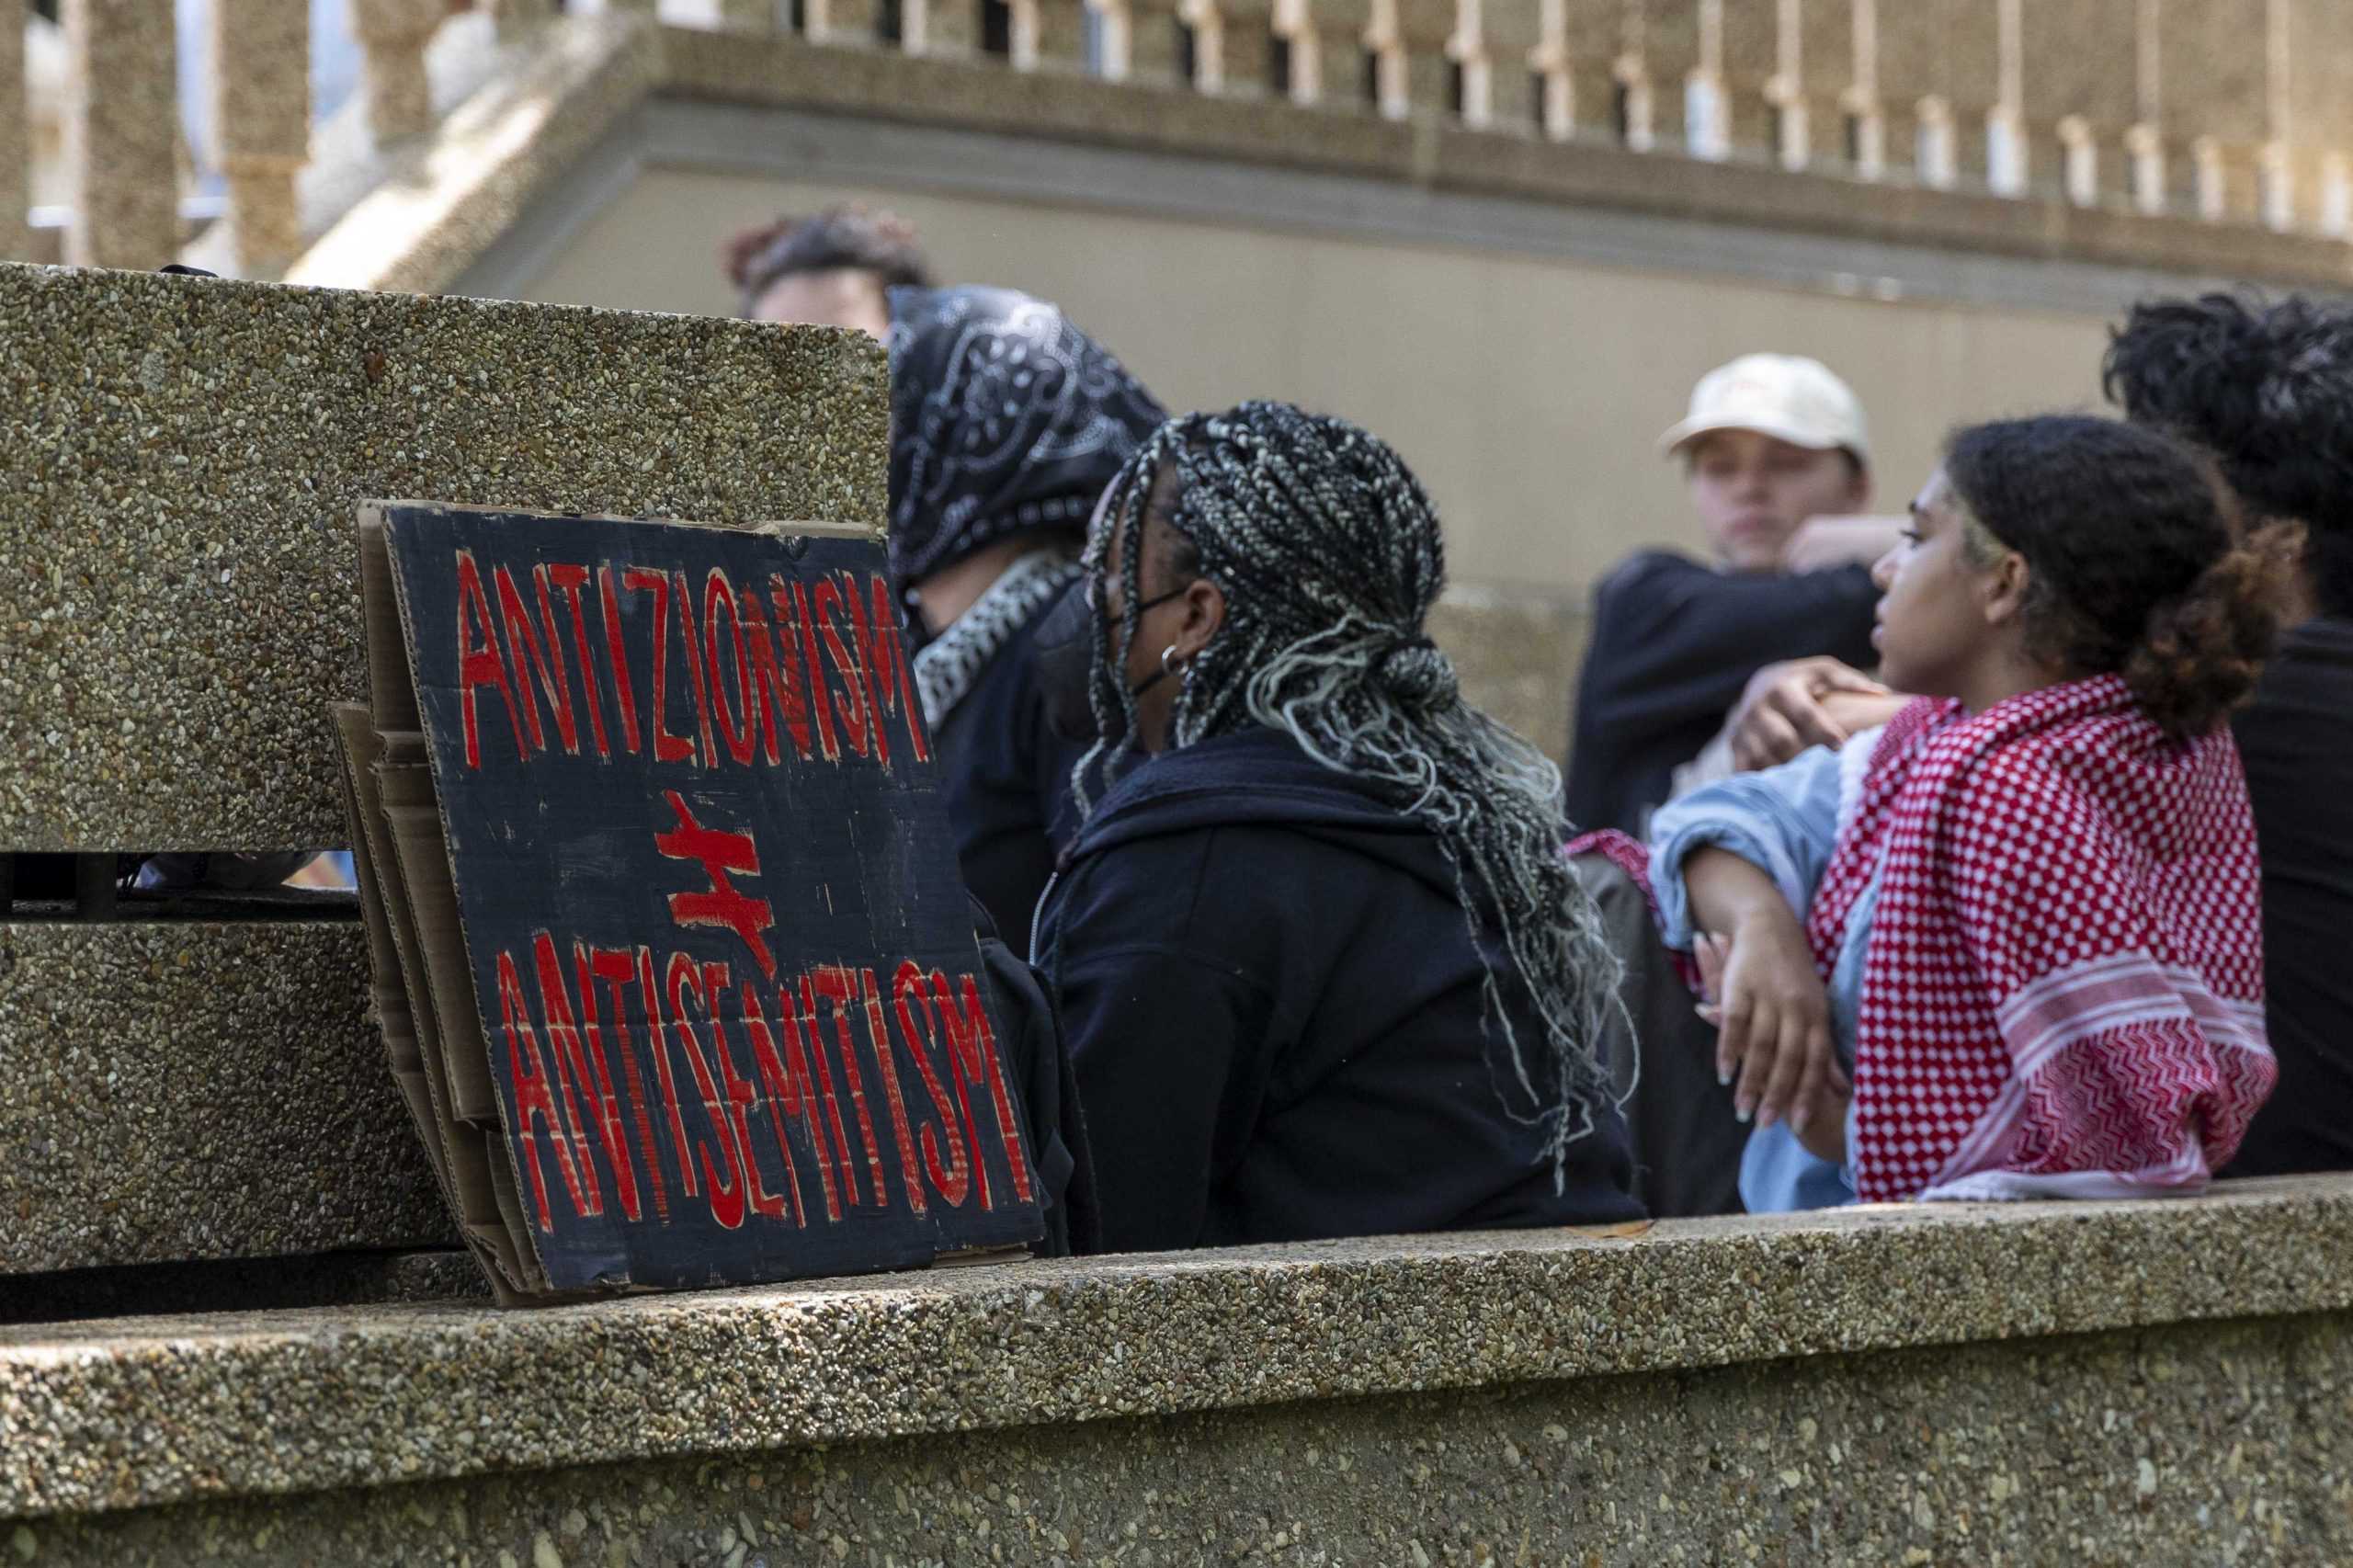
(948, 665)
(1004, 418)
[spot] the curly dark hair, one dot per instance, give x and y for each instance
(2133, 566)
(839, 237)
(2267, 390)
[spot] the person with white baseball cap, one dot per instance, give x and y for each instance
(1776, 456)
(1777, 462)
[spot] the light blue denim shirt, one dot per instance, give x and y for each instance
(1783, 821)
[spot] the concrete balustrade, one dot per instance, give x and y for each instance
(15, 239)
(261, 117)
(755, 16)
(518, 19)
(392, 34)
(2228, 111)
(122, 129)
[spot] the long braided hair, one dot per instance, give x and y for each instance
(1327, 550)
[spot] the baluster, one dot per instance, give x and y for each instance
(517, 19)
(946, 28)
(1411, 74)
(1862, 112)
(1514, 34)
(1205, 41)
(1295, 62)
(1936, 74)
(1726, 106)
(2217, 101)
(1324, 54)
(15, 238)
(1056, 37)
(2321, 96)
(1152, 29)
(1553, 89)
(1592, 39)
(842, 21)
(1670, 38)
(2082, 91)
(2278, 155)
(1245, 46)
(1112, 56)
(261, 119)
(2144, 143)
(392, 34)
(2078, 161)
(121, 133)
(747, 16)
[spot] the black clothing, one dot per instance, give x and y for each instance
(1004, 777)
(1275, 1006)
(1037, 1059)
(1681, 1125)
(1674, 644)
(1005, 419)
(2296, 739)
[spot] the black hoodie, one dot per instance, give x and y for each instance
(1674, 646)
(1004, 779)
(1274, 1003)
(2296, 740)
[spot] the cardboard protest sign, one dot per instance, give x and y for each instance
(713, 989)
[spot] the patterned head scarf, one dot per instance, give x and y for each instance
(1005, 419)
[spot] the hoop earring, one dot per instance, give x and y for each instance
(1167, 655)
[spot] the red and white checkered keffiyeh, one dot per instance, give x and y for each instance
(2063, 994)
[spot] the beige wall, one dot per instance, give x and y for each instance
(1526, 391)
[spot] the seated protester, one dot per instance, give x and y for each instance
(2267, 393)
(1774, 451)
(2023, 919)
(1007, 422)
(835, 268)
(1323, 968)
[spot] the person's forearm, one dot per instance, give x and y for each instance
(1725, 891)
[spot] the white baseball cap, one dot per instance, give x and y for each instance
(1786, 396)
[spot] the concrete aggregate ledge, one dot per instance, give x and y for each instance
(177, 1090)
(100, 1416)
(181, 459)
(2209, 1444)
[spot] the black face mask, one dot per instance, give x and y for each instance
(1062, 651)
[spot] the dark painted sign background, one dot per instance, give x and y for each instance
(722, 954)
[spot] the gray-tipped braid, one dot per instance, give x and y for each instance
(1327, 550)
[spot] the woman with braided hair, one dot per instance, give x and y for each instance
(1006, 421)
(1323, 966)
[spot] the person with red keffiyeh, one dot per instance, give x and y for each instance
(2010, 945)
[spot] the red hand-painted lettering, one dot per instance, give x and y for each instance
(722, 906)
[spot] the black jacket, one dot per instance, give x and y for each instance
(1274, 1003)
(1004, 777)
(1674, 644)
(2296, 739)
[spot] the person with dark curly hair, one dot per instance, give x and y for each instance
(2267, 390)
(833, 268)
(1324, 969)
(2011, 943)
(1007, 422)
